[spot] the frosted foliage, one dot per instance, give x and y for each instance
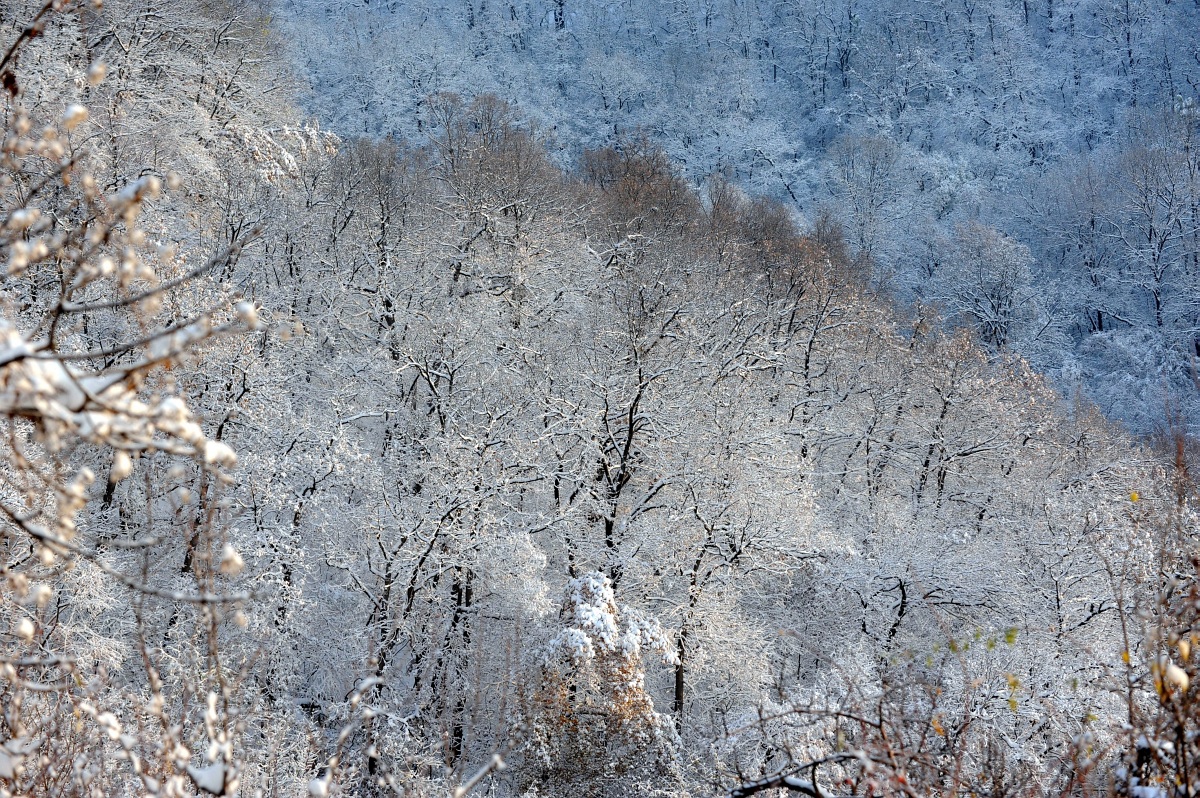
(277, 154)
(516, 566)
(595, 623)
(592, 612)
(69, 402)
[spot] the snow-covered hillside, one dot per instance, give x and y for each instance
(1028, 167)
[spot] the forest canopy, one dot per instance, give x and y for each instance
(439, 463)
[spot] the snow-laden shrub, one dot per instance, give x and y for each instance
(594, 725)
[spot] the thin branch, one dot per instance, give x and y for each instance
(231, 254)
(495, 763)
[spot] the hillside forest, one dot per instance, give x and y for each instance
(1026, 168)
(396, 403)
